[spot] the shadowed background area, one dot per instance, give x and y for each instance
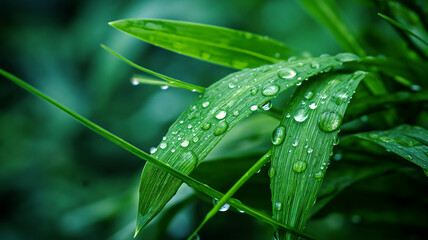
(58, 180)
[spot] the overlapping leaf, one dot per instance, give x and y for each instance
(232, 48)
(302, 145)
(212, 115)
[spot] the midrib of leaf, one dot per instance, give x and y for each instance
(231, 100)
(195, 184)
(295, 188)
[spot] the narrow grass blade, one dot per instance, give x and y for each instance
(410, 142)
(401, 27)
(256, 167)
(303, 142)
(325, 12)
(210, 117)
(218, 45)
(195, 184)
(171, 81)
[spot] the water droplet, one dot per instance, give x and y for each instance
(295, 142)
(301, 115)
(270, 90)
(299, 166)
(271, 172)
(313, 105)
(153, 150)
(190, 159)
(223, 208)
(319, 175)
(347, 57)
(205, 104)
(337, 156)
(324, 96)
(287, 73)
(206, 125)
(184, 143)
(172, 150)
(164, 87)
(221, 127)
(163, 145)
(336, 141)
(278, 206)
(415, 87)
(232, 85)
(189, 126)
(309, 95)
(267, 106)
(254, 91)
(329, 121)
(341, 96)
(278, 135)
(253, 108)
(235, 113)
(299, 83)
(135, 82)
(310, 150)
(288, 115)
(221, 114)
(315, 65)
(386, 139)
(195, 139)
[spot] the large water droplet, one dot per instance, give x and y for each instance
(221, 114)
(299, 166)
(163, 145)
(221, 127)
(270, 90)
(347, 57)
(341, 96)
(329, 121)
(300, 115)
(267, 106)
(184, 143)
(287, 73)
(278, 135)
(313, 105)
(223, 208)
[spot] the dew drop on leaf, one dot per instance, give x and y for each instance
(287, 73)
(221, 114)
(205, 104)
(267, 106)
(190, 159)
(315, 65)
(253, 108)
(254, 91)
(347, 57)
(278, 135)
(206, 125)
(295, 142)
(299, 166)
(319, 175)
(221, 127)
(313, 105)
(184, 143)
(163, 145)
(235, 113)
(300, 115)
(223, 208)
(329, 121)
(309, 95)
(278, 206)
(270, 90)
(153, 150)
(164, 87)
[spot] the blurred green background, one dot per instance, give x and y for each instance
(58, 180)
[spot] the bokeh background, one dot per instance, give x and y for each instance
(59, 180)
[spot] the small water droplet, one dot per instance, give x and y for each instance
(172, 150)
(341, 96)
(415, 87)
(319, 175)
(329, 121)
(232, 85)
(299, 166)
(315, 65)
(253, 108)
(267, 106)
(309, 95)
(164, 87)
(310, 150)
(270, 90)
(205, 104)
(223, 208)
(235, 113)
(206, 125)
(221, 114)
(287, 73)
(153, 150)
(347, 57)
(278, 206)
(295, 142)
(254, 91)
(288, 115)
(185, 143)
(195, 139)
(163, 145)
(336, 141)
(221, 127)
(298, 83)
(189, 126)
(337, 156)
(278, 135)
(301, 115)
(134, 81)
(313, 105)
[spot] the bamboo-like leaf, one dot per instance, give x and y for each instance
(325, 12)
(402, 27)
(211, 116)
(198, 186)
(218, 45)
(302, 145)
(410, 142)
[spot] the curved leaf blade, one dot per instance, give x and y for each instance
(311, 121)
(231, 48)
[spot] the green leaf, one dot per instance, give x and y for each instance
(402, 27)
(195, 184)
(410, 142)
(218, 45)
(309, 128)
(326, 13)
(210, 117)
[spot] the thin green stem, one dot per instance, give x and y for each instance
(195, 184)
(255, 168)
(176, 82)
(145, 80)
